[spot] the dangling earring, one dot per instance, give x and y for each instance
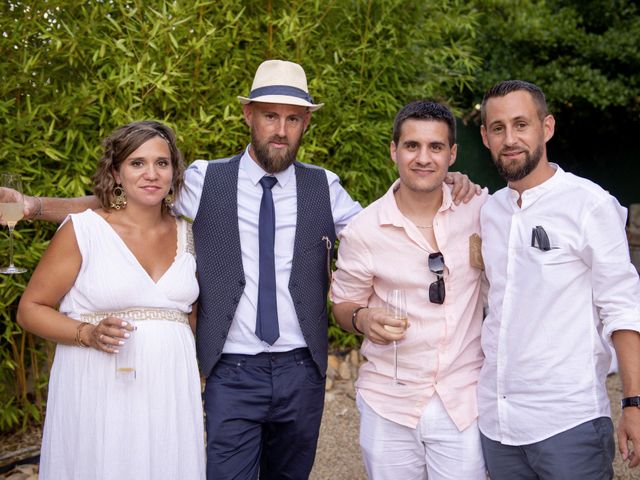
(119, 197)
(168, 200)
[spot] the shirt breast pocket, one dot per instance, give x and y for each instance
(556, 255)
(462, 256)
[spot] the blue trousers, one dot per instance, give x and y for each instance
(585, 452)
(263, 416)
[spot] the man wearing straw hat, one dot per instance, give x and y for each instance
(264, 230)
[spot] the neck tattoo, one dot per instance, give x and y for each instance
(425, 227)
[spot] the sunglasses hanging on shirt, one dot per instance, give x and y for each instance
(436, 289)
(540, 239)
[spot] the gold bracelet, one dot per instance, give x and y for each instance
(78, 340)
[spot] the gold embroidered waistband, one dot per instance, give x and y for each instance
(138, 314)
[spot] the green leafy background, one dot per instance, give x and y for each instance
(73, 71)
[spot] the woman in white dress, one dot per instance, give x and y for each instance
(124, 272)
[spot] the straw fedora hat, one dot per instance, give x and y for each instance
(278, 81)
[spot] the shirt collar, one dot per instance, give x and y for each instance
(530, 195)
(390, 214)
(256, 172)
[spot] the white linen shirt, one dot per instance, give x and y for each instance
(550, 313)
(241, 337)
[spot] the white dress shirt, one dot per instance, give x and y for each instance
(242, 338)
(551, 313)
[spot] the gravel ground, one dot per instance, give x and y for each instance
(338, 456)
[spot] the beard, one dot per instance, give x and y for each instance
(514, 171)
(274, 160)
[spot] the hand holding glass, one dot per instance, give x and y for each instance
(11, 210)
(397, 308)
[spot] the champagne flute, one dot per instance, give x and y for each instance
(397, 308)
(126, 358)
(11, 210)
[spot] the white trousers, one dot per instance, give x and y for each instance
(435, 450)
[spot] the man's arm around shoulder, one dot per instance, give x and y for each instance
(49, 208)
(56, 209)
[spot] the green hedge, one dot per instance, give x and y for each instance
(73, 71)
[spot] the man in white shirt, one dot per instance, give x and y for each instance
(561, 287)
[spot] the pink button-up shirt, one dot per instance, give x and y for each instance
(380, 250)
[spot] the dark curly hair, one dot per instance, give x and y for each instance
(122, 143)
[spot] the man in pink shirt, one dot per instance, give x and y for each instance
(416, 239)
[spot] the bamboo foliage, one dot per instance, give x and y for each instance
(73, 71)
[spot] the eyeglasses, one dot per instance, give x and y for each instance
(436, 289)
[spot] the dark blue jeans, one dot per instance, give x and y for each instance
(585, 452)
(263, 416)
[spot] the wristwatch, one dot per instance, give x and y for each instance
(630, 402)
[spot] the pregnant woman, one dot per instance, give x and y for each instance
(123, 272)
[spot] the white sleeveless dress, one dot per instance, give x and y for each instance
(150, 428)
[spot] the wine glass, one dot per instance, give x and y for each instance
(397, 308)
(11, 210)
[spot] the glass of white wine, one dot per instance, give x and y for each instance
(397, 308)
(11, 210)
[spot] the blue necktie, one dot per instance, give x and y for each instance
(267, 319)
